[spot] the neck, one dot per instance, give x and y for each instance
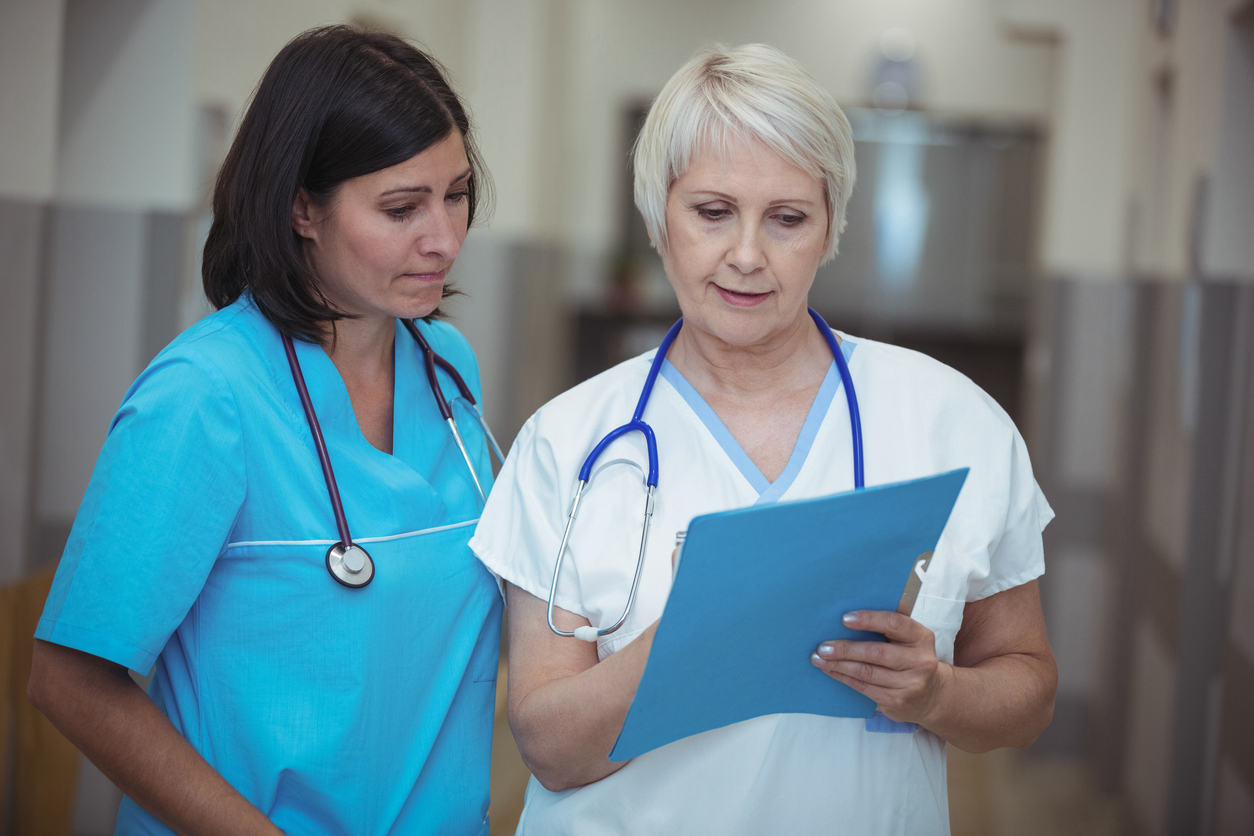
(361, 349)
(795, 356)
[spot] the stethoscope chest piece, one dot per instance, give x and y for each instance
(350, 566)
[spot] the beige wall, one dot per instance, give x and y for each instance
(547, 83)
(1227, 245)
(625, 52)
(126, 114)
(547, 79)
(235, 39)
(30, 67)
(96, 102)
(1176, 93)
(1135, 124)
(21, 239)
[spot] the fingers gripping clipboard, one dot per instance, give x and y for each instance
(758, 588)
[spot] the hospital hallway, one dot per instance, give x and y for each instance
(1053, 197)
(1010, 792)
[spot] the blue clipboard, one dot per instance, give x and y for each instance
(759, 588)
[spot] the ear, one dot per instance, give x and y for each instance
(304, 214)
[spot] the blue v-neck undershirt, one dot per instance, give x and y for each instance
(767, 491)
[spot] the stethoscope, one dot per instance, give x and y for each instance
(638, 424)
(348, 562)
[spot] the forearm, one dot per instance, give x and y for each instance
(999, 693)
(97, 706)
(1002, 701)
(565, 727)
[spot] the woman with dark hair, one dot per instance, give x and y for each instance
(277, 525)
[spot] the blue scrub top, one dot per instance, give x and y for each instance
(200, 547)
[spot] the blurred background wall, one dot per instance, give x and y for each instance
(1054, 196)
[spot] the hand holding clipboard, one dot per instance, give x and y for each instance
(780, 578)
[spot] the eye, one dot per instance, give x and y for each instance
(458, 197)
(789, 218)
(400, 213)
(713, 213)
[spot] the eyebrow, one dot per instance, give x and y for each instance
(422, 189)
(730, 199)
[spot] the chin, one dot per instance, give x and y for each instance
(738, 327)
(418, 305)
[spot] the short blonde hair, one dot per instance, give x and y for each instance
(752, 91)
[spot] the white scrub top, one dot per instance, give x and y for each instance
(791, 773)
(200, 547)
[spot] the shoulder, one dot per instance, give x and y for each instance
(921, 417)
(222, 354)
(571, 423)
(906, 366)
(228, 338)
(906, 380)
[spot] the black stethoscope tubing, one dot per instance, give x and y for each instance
(347, 562)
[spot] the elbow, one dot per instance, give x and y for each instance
(555, 773)
(553, 764)
(1043, 714)
(552, 781)
(551, 776)
(571, 776)
(560, 770)
(1048, 692)
(1030, 711)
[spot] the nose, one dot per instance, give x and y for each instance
(746, 253)
(442, 235)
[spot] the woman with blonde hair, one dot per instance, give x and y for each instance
(742, 171)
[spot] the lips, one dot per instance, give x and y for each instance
(434, 276)
(740, 299)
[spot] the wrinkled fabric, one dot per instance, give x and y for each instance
(199, 553)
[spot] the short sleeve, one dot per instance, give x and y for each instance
(518, 536)
(161, 503)
(1018, 555)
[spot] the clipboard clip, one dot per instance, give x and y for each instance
(914, 583)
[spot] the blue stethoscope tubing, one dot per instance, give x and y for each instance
(638, 424)
(349, 563)
(851, 398)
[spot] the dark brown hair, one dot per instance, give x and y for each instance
(334, 104)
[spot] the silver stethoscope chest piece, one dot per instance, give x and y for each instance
(347, 562)
(350, 566)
